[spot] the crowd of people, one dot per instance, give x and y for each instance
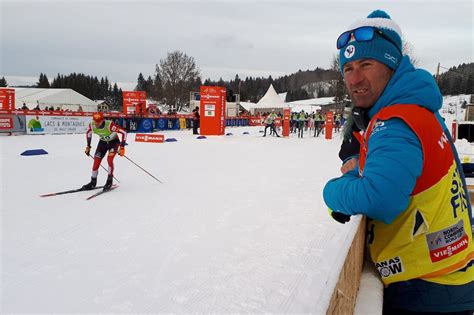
(50, 108)
(303, 122)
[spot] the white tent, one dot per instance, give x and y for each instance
(270, 101)
(63, 98)
(311, 105)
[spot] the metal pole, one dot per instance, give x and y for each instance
(142, 169)
(105, 169)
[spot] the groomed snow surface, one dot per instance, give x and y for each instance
(238, 226)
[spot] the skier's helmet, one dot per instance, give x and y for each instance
(98, 118)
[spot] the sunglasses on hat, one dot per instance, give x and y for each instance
(362, 34)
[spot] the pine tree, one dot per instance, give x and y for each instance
(157, 90)
(3, 82)
(43, 82)
(141, 84)
(149, 86)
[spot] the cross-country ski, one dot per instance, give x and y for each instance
(69, 191)
(272, 157)
(102, 192)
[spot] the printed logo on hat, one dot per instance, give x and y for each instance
(350, 51)
(391, 58)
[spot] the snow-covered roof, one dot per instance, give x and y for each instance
(247, 105)
(55, 97)
(283, 96)
(311, 104)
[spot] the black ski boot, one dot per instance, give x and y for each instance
(91, 184)
(108, 183)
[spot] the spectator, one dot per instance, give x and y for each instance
(196, 120)
(407, 180)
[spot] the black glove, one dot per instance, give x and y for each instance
(340, 217)
(350, 145)
(349, 148)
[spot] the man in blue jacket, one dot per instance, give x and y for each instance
(407, 177)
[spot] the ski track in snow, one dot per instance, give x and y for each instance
(244, 237)
(239, 226)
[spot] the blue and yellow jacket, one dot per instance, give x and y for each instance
(410, 185)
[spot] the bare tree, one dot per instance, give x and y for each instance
(179, 75)
(337, 85)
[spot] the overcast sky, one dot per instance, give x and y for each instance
(120, 39)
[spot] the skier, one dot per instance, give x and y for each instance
(109, 141)
(270, 123)
(319, 124)
(301, 120)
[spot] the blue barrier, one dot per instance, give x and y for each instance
(146, 125)
(171, 140)
(34, 152)
(245, 133)
(201, 137)
(229, 134)
(176, 124)
(162, 124)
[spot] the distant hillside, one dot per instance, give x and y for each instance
(314, 82)
(299, 86)
(457, 80)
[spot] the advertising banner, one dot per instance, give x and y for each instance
(212, 110)
(134, 102)
(162, 124)
(256, 121)
(286, 122)
(12, 123)
(7, 99)
(329, 124)
(56, 124)
(146, 125)
(133, 124)
(144, 137)
(182, 123)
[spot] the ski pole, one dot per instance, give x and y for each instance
(142, 169)
(105, 169)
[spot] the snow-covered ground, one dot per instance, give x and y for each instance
(238, 226)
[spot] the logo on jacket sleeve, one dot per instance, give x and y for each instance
(390, 267)
(379, 125)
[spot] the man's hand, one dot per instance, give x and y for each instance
(339, 216)
(122, 151)
(87, 151)
(349, 165)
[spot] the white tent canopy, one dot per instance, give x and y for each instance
(310, 105)
(270, 101)
(63, 98)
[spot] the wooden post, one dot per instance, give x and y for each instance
(437, 74)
